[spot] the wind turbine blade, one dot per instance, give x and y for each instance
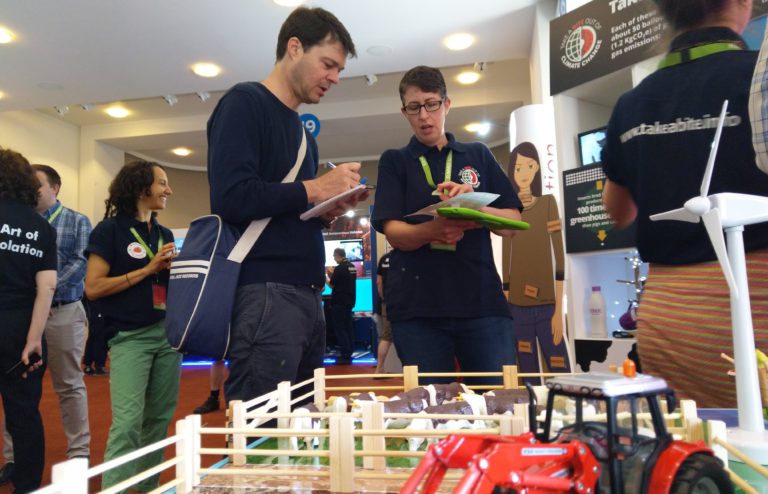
(680, 214)
(713, 151)
(714, 227)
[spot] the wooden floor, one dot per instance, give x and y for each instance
(193, 391)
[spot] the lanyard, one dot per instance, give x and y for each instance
(689, 54)
(428, 174)
(55, 213)
(143, 244)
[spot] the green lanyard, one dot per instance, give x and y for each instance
(55, 213)
(428, 174)
(689, 54)
(141, 241)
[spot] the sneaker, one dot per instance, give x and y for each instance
(208, 406)
(100, 371)
(88, 370)
(6, 472)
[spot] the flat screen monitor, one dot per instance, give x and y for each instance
(352, 247)
(591, 146)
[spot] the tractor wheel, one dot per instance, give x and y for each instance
(702, 474)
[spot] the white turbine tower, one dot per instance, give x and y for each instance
(731, 212)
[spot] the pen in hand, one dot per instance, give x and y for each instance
(329, 164)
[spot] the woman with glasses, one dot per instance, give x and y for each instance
(129, 255)
(444, 296)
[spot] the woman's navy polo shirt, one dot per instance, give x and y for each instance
(435, 283)
(658, 144)
(112, 240)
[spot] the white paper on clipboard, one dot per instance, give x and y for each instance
(330, 204)
(472, 200)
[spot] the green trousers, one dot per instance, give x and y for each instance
(144, 387)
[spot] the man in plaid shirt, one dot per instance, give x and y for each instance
(65, 330)
(758, 108)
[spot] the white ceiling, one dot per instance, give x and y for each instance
(73, 52)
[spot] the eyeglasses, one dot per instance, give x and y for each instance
(415, 108)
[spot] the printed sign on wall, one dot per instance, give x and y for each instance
(587, 225)
(604, 36)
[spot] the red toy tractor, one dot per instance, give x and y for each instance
(614, 441)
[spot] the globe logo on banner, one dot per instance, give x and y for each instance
(311, 123)
(581, 43)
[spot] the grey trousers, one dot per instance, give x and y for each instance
(278, 334)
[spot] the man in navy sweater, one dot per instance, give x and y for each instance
(278, 327)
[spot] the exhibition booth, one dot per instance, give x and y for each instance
(580, 63)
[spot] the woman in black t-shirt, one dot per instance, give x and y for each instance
(129, 254)
(27, 284)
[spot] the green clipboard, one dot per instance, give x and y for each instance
(489, 220)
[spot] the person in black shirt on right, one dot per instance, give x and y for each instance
(342, 282)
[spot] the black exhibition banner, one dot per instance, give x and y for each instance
(588, 227)
(604, 36)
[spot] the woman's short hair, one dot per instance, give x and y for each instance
(427, 79)
(17, 178)
(133, 181)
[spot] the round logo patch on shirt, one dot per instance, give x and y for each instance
(136, 251)
(469, 175)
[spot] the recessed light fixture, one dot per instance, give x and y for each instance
(1, 95)
(468, 77)
(288, 3)
(117, 112)
(6, 35)
(181, 151)
(459, 41)
(350, 213)
(363, 221)
(479, 128)
(206, 69)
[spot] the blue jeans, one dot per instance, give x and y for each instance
(482, 344)
(278, 334)
(533, 326)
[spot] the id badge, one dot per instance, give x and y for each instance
(159, 296)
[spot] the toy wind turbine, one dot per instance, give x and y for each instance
(730, 212)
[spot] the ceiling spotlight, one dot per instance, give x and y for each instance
(350, 213)
(459, 41)
(479, 128)
(204, 96)
(87, 106)
(363, 221)
(6, 35)
(1, 95)
(61, 110)
(206, 69)
(181, 151)
(117, 112)
(371, 79)
(468, 77)
(171, 99)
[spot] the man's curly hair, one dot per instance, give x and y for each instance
(17, 179)
(133, 181)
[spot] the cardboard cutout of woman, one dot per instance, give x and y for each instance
(536, 269)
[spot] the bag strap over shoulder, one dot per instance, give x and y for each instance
(256, 228)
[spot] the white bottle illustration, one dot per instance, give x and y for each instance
(597, 314)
